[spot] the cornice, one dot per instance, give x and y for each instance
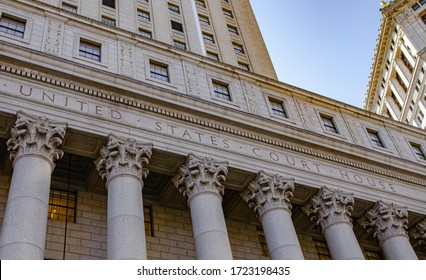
(207, 124)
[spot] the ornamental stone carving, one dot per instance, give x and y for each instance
(330, 206)
(123, 157)
(39, 136)
(201, 174)
(268, 192)
(421, 232)
(386, 220)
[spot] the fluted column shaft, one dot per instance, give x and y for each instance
(269, 196)
(332, 211)
(122, 164)
(199, 180)
(33, 151)
(388, 223)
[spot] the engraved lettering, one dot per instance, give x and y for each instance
(358, 178)
(213, 140)
(186, 133)
(82, 103)
(199, 136)
(66, 101)
(115, 115)
(392, 187)
(305, 165)
(226, 144)
(382, 184)
(373, 183)
(255, 152)
(292, 160)
(158, 126)
(274, 156)
(52, 98)
(344, 174)
(26, 94)
(173, 128)
(317, 166)
(98, 110)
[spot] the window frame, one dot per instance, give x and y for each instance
(70, 7)
(159, 75)
(377, 142)
(67, 207)
(218, 94)
(173, 8)
(238, 48)
(142, 31)
(174, 24)
(94, 40)
(329, 124)
(143, 15)
(277, 108)
(180, 45)
(107, 20)
(208, 38)
(87, 52)
(418, 151)
(105, 3)
(13, 19)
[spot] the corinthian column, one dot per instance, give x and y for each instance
(420, 232)
(388, 222)
(199, 180)
(332, 211)
(122, 164)
(33, 149)
(269, 196)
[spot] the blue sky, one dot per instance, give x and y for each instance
(325, 46)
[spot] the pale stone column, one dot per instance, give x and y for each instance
(199, 180)
(332, 211)
(269, 196)
(33, 149)
(122, 164)
(388, 222)
(420, 232)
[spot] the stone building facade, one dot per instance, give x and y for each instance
(397, 86)
(118, 146)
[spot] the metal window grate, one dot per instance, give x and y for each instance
(147, 213)
(62, 205)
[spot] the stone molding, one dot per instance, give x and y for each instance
(385, 220)
(32, 135)
(211, 125)
(268, 192)
(420, 232)
(330, 206)
(123, 157)
(199, 175)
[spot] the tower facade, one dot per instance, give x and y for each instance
(397, 83)
(118, 146)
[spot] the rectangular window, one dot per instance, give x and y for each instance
(109, 3)
(213, 56)
(144, 15)
(176, 25)
(108, 21)
(370, 255)
(145, 33)
(238, 48)
(277, 108)
(208, 38)
(228, 13)
(179, 45)
(418, 151)
(12, 26)
(69, 7)
(174, 8)
(204, 19)
(262, 241)
(221, 90)
(62, 205)
(159, 71)
(329, 124)
(147, 216)
(200, 3)
(232, 30)
(90, 50)
(375, 138)
(243, 66)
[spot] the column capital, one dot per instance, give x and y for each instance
(199, 175)
(385, 220)
(330, 206)
(268, 192)
(420, 232)
(123, 156)
(32, 135)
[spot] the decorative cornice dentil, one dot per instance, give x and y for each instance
(32, 135)
(123, 157)
(199, 175)
(385, 220)
(268, 192)
(421, 232)
(330, 206)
